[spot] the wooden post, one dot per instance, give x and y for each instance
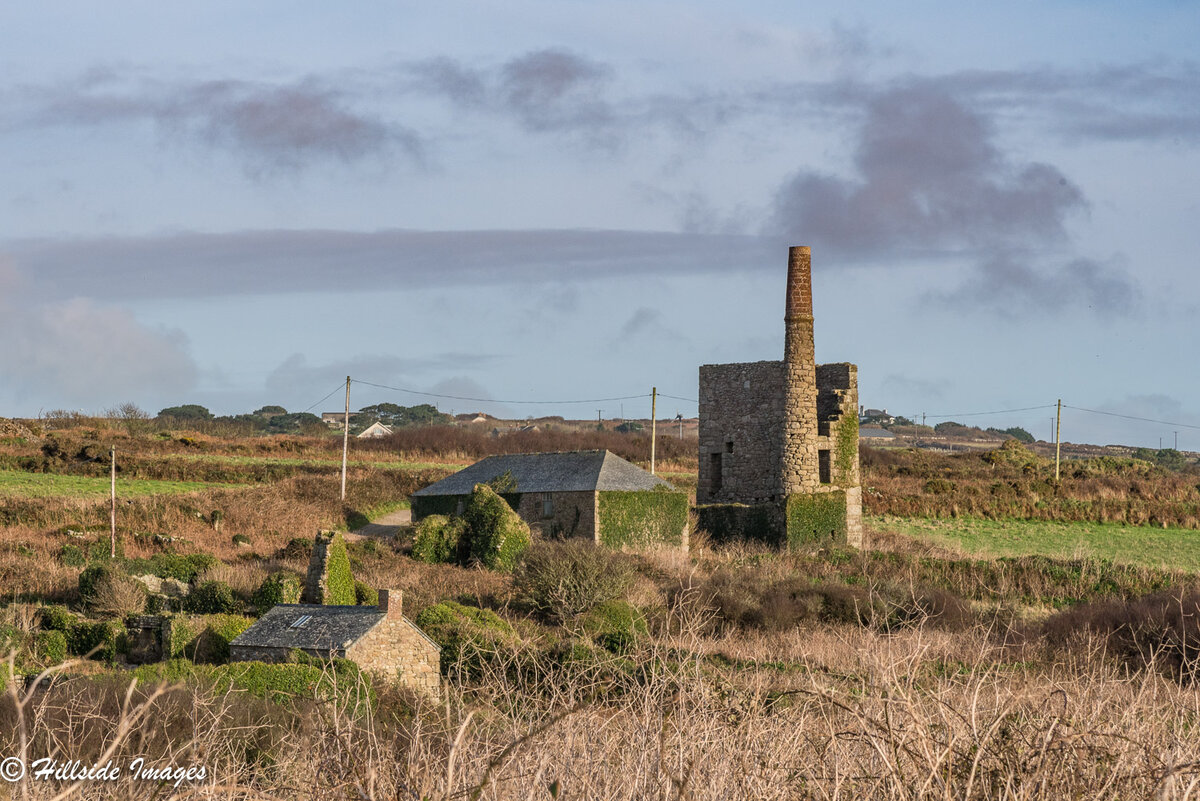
(112, 510)
(1058, 441)
(653, 424)
(346, 439)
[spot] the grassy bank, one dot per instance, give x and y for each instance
(1169, 548)
(16, 483)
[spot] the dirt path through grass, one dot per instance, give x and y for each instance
(384, 527)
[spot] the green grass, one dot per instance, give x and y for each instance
(1170, 548)
(50, 485)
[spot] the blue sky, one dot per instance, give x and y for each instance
(240, 204)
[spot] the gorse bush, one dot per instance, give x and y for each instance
(280, 587)
(467, 634)
(212, 598)
(493, 534)
(437, 539)
(564, 579)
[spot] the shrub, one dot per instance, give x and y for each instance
(240, 539)
(494, 535)
(71, 555)
(180, 634)
(437, 539)
(49, 648)
(465, 633)
(184, 567)
(102, 639)
(107, 591)
(365, 594)
(212, 598)
(278, 588)
(616, 625)
(57, 618)
(1160, 630)
(564, 579)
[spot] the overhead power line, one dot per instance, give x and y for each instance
(999, 411)
(1130, 417)
(327, 397)
(676, 397)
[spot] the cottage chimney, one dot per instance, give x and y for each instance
(391, 602)
(798, 469)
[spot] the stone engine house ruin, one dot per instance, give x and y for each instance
(779, 440)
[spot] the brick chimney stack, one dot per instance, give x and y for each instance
(799, 471)
(391, 603)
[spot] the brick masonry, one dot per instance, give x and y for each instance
(773, 429)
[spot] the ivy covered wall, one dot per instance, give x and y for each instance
(643, 517)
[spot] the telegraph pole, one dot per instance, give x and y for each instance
(653, 423)
(112, 509)
(346, 439)
(1058, 441)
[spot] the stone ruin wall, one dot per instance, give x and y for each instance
(741, 432)
(837, 435)
(316, 582)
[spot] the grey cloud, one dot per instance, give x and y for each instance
(80, 352)
(274, 126)
(1010, 284)
(194, 265)
(554, 89)
(929, 178)
(642, 319)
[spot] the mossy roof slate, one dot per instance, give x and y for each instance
(572, 471)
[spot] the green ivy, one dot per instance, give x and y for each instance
(436, 540)
(339, 580)
(815, 518)
(494, 535)
(729, 522)
(280, 587)
(645, 517)
(465, 633)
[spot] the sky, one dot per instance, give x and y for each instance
(522, 204)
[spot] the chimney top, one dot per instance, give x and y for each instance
(391, 602)
(799, 282)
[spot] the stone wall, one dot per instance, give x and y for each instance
(741, 432)
(837, 423)
(572, 514)
(396, 648)
(316, 582)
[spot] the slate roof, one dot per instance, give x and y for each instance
(573, 471)
(866, 432)
(329, 627)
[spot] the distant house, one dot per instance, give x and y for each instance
(379, 639)
(870, 432)
(376, 429)
(877, 416)
(594, 494)
(337, 419)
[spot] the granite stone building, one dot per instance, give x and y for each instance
(593, 494)
(379, 639)
(779, 439)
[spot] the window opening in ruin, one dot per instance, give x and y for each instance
(823, 466)
(729, 446)
(547, 505)
(715, 461)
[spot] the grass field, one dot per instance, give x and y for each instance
(333, 461)
(15, 483)
(1170, 548)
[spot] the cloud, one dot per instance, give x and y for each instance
(272, 126)
(555, 89)
(929, 178)
(192, 265)
(296, 378)
(78, 352)
(1010, 284)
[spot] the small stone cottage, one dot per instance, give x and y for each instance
(379, 639)
(594, 494)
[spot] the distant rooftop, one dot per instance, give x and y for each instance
(572, 471)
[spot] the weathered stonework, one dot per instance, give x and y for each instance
(397, 648)
(559, 514)
(316, 582)
(770, 431)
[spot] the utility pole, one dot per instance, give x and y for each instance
(653, 423)
(679, 417)
(922, 419)
(112, 509)
(346, 439)
(598, 413)
(1058, 442)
